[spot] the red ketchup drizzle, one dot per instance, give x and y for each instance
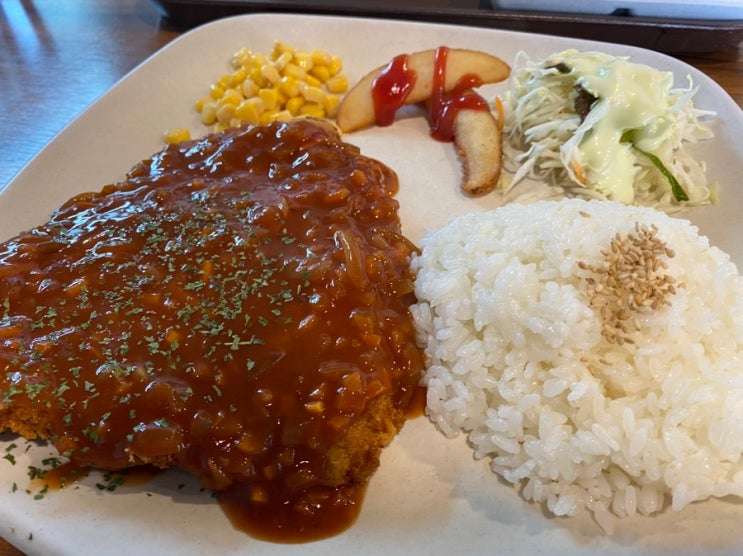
(445, 107)
(392, 86)
(390, 89)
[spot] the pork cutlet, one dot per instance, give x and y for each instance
(236, 307)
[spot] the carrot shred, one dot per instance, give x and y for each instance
(499, 108)
(578, 170)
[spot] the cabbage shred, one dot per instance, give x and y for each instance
(598, 126)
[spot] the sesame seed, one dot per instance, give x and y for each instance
(629, 281)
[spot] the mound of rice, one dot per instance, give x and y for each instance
(591, 350)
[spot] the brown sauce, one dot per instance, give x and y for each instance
(59, 477)
(67, 474)
(234, 307)
(322, 512)
(417, 405)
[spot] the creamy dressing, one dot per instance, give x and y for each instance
(630, 97)
(597, 126)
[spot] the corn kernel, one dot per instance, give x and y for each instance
(312, 81)
(312, 94)
(238, 77)
(176, 135)
(294, 104)
(256, 76)
(248, 115)
(320, 57)
(280, 48)
(293, 70)
(288, 86)
(259, 59)
(303, 60)
(249, 88)
(231, 96)
(282, 116)
(209, 113)
(330, 104)
(269, 97)
(225, 114)
(216, 91)
(281, 99)
(246, 112)
(270, 73)
(337, 84)
(201, 102)
(240, 57)
(322, 73)
(275, 87)
(312, 110)
(267, 117)
(281, 61)
(335, 65)
(249, 110)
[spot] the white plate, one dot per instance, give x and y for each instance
(429, 496)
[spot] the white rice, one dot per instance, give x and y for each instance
(517, 360)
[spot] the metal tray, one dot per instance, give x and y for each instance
(671, 36)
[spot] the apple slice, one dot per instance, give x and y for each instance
(357, 110)
(477, 136)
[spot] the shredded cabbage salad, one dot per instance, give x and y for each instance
(599, 126)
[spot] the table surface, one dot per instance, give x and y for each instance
(58, 57)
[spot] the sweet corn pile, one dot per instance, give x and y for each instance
(285, 84)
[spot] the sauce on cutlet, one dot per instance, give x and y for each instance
(234, 308)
